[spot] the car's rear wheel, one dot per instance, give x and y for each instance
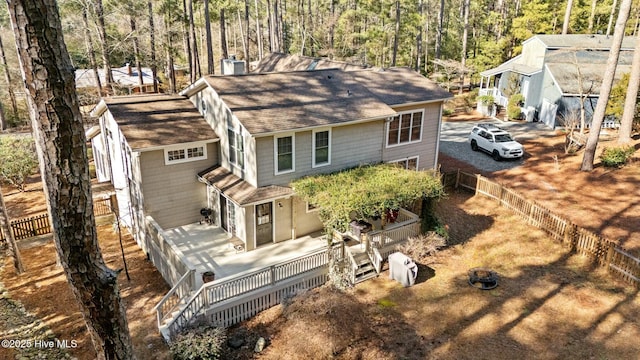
(496, 155)
(474, 145)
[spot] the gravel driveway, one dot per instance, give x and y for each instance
(454, 142)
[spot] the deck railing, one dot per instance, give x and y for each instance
(239, 286)
(164, 254)
(178, 293)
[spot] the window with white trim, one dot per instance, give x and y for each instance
(176, 155)
(405, 128)
(284, 154)
(408, 163)
(321, 147)
(312, 207)
(236, 148)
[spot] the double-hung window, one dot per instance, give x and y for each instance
(236, 148)
(408, 163)
(321, 147)
(284, 154)
(405, 128)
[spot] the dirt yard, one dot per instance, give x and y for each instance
(549, 304)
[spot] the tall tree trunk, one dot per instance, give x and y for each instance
(396, 34)
(419, 37)
(246, 36)
(186, 37)
(630, 103)
(207, 28)
(171, 71)
(108, 76)
(426, 41)
(136, 52)
(611, 15)
(7, 78)
(152, 41)
(91, 51)
(567, 17)
(465, 34)
(194, 45)
(439, 30)
(332, 25)
(223, 36)
(3, 119)
(61, 143)
(258, 32)
(592, 16)
(5, 226)
(605, 87)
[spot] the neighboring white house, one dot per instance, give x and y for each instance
(553, 72)
(234, 143)
(126, 77)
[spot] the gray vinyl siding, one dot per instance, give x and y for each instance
(218, 115)
(533, 53)
(172, 194)
(305, 222)
(425, 149)
(250, 223)
(351, 145)
(282, 219)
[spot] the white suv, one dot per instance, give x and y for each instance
(495, 141)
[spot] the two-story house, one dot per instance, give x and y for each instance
(234, 143)
(554, 72)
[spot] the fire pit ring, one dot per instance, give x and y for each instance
(483, 278)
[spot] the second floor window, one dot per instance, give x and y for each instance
(284, 154)
(405, 128)
(179, 155)
(321, 148)
(236, 149)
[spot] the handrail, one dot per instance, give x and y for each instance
(201, 298)
(175, 290)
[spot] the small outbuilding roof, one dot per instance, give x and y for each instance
(239, 190)
(157, 120)
(279, 62)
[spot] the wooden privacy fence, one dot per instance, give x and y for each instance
(619, 262)
(39, 224)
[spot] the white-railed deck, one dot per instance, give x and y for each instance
(207, 247)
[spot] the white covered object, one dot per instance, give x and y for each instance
(402, 269)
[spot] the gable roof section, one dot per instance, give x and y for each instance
(277, 102)
(583, 41)
(279, 62)
(513, 66)
(239, 190)
(158, 120)
(400, 86)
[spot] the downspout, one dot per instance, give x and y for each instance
(435, 164)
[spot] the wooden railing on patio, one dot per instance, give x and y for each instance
(604, 252)
(180, 291)
(271, 280)
(165, 255)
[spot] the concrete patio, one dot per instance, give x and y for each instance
(207, 248)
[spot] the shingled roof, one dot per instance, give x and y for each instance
(239, 190)
(158, 120)
(279, 62)
(276, 102)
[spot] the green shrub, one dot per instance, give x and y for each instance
(201, 343)
(486, 99)
(616, 156)
(18, 160)
(513, 106)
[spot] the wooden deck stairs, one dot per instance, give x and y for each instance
(364, 269)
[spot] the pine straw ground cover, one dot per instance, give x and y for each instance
(550, 304)
(44, 292)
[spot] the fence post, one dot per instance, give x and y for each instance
(609, 257)
(478, 179)
(34, 227)
(569, 235)
(457, 178)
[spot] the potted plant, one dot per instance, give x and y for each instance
(486, 104)
(208, 276)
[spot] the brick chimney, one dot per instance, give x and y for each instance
(129, 70)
